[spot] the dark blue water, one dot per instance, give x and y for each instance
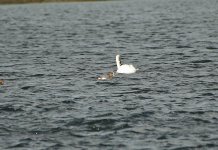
(51, 55)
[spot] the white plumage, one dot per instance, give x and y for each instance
(126, 69)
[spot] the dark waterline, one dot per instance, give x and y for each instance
(46, 1)
(52, 54)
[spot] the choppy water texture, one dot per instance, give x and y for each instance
(51, 55)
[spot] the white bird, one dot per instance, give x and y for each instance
(126, 69)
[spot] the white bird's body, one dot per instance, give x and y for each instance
(126, 69)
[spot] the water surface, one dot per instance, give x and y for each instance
(51, 55)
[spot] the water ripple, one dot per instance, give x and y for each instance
(52, 54)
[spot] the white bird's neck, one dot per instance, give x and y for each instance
(118, 61)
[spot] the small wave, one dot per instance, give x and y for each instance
(197, 112)
(56, 145)
(68, 102)
(201, 61)
(207, 94)
(144, 114)
(19, 145)
(37, 75)
(27, 87)
(100, 124)
(211, 47)
(10, 108)
(183, 46)
(75, 122)
(200, 146)
(200, 120)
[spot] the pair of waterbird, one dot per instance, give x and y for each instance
(121, 68)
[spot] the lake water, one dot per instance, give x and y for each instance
(51, 55)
